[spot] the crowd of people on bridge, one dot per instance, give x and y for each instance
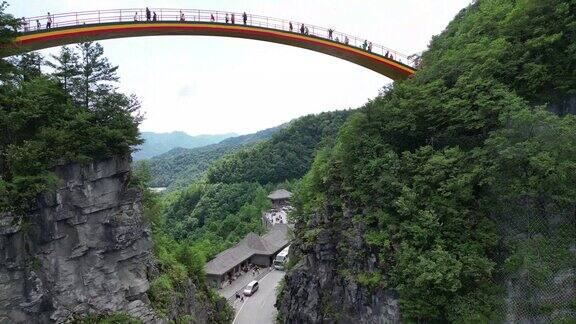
(228, 19)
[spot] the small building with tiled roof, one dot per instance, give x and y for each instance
(280, 197)
(259, 250)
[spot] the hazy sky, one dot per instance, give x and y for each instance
(208, 85)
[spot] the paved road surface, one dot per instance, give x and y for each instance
(259, 308)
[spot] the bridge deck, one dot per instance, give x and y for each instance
(98, 25)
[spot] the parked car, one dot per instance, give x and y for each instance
(251, 288)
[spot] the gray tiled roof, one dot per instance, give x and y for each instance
(268, 244)
(280, 194)
(277, 238)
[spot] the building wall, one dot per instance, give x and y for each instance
(261, 260)
(279, 203)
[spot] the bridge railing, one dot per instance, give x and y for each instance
(198, 15)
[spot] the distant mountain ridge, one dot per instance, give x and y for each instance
(159, 143)
(181, 166)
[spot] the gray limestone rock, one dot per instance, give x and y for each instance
(84, 250)
(316, 291)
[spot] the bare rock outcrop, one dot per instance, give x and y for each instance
(85, 249)
(320, 290)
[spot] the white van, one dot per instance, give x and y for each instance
(251, 288)
(281, 259)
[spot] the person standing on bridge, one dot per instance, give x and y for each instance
(136, 16)
(232, 18)
(346, 40)
(306, 30)
(226, 18)
(245, 18)
(154, 16)
(370, 47)
(148, 14)
(182, 17)
(49, 21)
(290, 26)
(301, 28)
(38, 26)
(365, 45)
(24, 23)
(330, 31)
(212, 18)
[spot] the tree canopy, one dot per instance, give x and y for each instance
(286, 156)
(457, 175)
(44, 123)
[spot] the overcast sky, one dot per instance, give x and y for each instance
(210, 85)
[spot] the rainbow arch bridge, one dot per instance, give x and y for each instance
(75, 27)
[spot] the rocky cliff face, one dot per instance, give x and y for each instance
(322, 288)
(85, 249)
(319, 290)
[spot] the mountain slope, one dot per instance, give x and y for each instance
(158, 143)
(450, 198)
(180, 166)
(285, 156)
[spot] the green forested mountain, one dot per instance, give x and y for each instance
(210, 217)
(180, 167)
(461, 186)
(158, 143)
(213, 217)
(286, 156)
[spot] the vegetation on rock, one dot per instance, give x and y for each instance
(457, 172)
(179, 265)
(50, 119)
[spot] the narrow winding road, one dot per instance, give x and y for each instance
(259, 308)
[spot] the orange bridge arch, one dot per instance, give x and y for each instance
(85, 26)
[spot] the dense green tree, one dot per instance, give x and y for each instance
(213, 217)
(455, 176)
(96, 74)
(8, 25)
(40, 127)
(66, 67)
(29, 65)
(177, 263)
(286, 156)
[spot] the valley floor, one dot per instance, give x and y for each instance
(259, 308)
